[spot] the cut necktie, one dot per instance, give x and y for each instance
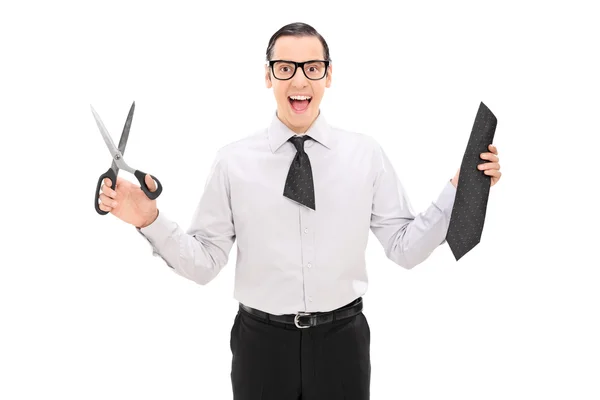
(472, 191)
(299, 184)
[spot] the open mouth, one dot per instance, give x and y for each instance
(299, 103)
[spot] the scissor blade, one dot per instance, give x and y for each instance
(125, 134)
(105, 135)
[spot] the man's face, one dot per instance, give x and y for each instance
(297, 115)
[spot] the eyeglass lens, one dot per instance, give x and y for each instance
(285, 70)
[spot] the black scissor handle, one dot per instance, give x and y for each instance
(110, 174)
(141, 178)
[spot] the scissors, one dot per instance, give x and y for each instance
(119, 162)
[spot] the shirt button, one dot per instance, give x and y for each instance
(306, 230)
(309, 265)
(310, 299)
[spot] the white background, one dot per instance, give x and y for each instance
(86, 312)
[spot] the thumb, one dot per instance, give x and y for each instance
(150, 183)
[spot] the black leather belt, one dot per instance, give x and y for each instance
(307, 320)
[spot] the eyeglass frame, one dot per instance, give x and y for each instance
(301, 65)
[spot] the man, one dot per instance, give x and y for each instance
(301, 213)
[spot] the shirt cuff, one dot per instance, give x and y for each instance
(156, 227)
(445, 203)
(159, 231)
(445, 200)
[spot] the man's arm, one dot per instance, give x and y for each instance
(407, 238)
(203, 250)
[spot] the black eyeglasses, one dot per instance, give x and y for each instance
(313, 69)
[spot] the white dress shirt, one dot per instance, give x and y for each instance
(291, 258)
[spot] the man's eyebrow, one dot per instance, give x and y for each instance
(304, 60)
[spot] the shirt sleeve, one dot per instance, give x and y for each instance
(407, 238)
(203, 250)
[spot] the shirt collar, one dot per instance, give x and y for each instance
(279, 133)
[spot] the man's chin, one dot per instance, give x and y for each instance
(299, 122)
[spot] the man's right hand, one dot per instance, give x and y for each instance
(128, 202)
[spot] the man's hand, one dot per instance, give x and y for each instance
(491, 168)
(128, 202)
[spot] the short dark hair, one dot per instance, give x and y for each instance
(297, 29)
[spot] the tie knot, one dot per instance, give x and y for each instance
(298, 142)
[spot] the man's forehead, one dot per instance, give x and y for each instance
(301, 48)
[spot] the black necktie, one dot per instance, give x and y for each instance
(472, 191)
(299, 184)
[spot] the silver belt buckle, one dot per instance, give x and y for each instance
(296, 320)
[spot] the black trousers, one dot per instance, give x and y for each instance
(275, 361)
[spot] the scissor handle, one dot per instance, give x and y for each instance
(141, 178)
(110, 174)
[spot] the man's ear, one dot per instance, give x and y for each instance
(268, 82)
(328, 78)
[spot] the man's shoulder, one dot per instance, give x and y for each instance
(251, 140)
(356, 137)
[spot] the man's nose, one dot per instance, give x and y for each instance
(299, 80)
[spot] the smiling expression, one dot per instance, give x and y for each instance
(298, 49)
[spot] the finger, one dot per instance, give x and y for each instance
(104, 207)
(493, 172)
(107, 201)
(493, 149)
(488, 165)
(107, 182)
(150, 183)
(489, 156)
(107, 190)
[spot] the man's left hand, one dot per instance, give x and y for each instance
(491, 168)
